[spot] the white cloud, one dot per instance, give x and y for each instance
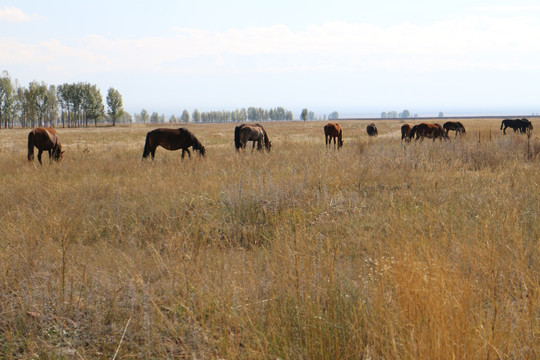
(475, 42)
(12, 14)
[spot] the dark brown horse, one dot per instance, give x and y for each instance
(44, 139)
(371, 130)
(171, 139)
(523, 125)
(405, 130)
(431, 131)
(251, 132)
(455, 126)
(333, 131)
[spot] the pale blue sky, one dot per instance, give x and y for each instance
(356, 57)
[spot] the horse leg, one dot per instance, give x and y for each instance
(39, 156)
(189, 153)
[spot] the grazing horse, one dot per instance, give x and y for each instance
(405, 130)
(171, 139)
(454, 125)
(333, 131)
(372, 130)
(424, 130)
(251, 132)
(44, 139)
(523, 125)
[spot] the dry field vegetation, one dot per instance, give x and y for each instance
(378, 251)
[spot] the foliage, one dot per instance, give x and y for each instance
(115, 105)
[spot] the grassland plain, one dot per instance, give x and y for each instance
(378, 251)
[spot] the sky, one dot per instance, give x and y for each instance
(360, 58)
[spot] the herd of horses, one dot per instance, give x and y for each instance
(46, 139)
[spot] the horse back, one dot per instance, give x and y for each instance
(44, 138)
(332, 129)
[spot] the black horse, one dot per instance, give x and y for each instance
(523, 125)
(371, 130)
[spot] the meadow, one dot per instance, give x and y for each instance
(379, 251)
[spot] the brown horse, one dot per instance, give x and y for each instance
(371, 130)
(454, 125)
(405, 130)
(333, 131)
(171, 139)
(431, 131)
(44, 139)
(251, 132)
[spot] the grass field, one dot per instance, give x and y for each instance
(378, 251)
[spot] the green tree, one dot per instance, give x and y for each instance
(333, 115)
(92, 103)
(185, 116)
(304, 114)
(114, 103)
(405, 114)
(154, 118)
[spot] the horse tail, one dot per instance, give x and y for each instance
(31, 145)
(146, 151)
(237, 143)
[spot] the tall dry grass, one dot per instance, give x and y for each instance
(379, 251)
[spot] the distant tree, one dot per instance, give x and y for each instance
(196, 116)
(333, 115)
(114, 103)
(7, 100)
(154, 118)
(173, 119)
(311, 115)
(185, 116)
(441, 114)
(384, 115)
(304, 114)
(92, 104)
(144, 116)
(405, 114)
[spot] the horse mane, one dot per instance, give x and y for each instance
(197, 145)
(413, 131)
(266, 140)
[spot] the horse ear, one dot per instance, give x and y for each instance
(62, 152)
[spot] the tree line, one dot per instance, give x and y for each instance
(238, 115)
(68, 105)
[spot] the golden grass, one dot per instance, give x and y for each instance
(379, 251)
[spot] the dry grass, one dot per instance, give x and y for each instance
(380, 251)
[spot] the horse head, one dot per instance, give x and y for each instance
(58, 153)
(202, 151)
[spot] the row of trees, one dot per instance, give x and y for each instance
(238, 115)
(70, 105)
